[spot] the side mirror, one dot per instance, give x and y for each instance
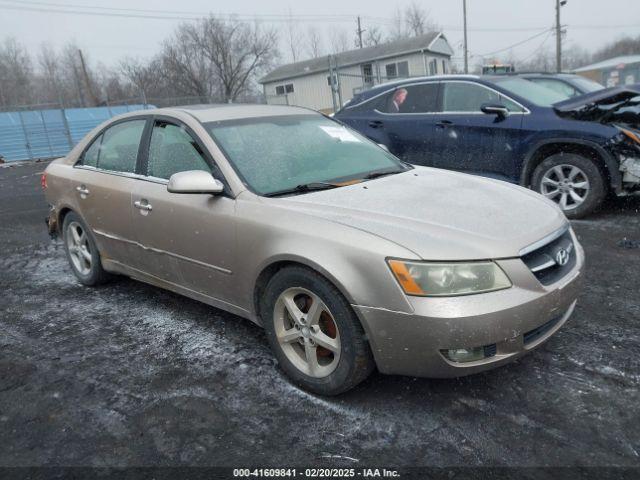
(194, 181)
(496, 109)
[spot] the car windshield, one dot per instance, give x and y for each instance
(279, 153)
(536, 94)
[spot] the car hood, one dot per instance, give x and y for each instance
(611, 105)
(438, 214)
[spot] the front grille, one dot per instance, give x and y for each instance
(545, 262)
(533, 335)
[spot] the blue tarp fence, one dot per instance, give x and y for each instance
(32, 134)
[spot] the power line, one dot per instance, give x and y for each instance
(546, 30)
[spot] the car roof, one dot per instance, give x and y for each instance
(227, 111)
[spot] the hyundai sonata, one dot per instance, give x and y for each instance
(349, 258)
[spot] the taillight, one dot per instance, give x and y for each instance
(43, 181)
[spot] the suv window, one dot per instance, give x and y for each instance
(469, 97)
(118, 147)
(421, 98)
(173, 150)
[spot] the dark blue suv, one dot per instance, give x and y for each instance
(572, 151)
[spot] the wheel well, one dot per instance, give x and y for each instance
(547, 150)
(267, 274)
(61, 215)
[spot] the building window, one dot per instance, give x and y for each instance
(391, 69)
(444, 67)
(433, 67)
(403, 69)
(395, 70)
(282, 89)
(367, 73)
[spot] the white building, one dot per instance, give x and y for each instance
(309, 83)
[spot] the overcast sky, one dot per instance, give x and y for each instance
(493, 24)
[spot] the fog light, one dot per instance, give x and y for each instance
(464, 355)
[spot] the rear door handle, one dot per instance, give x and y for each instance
(143, 206)
(82, 190)
(444, 123)
(375, 124)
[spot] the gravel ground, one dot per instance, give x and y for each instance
(131, 375)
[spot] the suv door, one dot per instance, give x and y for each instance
(190, 237)
(103, 180)
(404, 121)
(473, 141)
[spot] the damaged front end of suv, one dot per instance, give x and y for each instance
(618, 107)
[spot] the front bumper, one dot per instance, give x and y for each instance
(510, 322)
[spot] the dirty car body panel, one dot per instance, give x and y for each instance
(220, 249)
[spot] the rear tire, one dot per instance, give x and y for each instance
(314, 333)
(572, 181)
(82, 252)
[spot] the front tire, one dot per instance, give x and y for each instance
(314, 333)
(572, 181)
(82, 252)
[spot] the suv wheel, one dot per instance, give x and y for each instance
(314, 333)
(572, 181)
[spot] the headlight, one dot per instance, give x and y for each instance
(448, 279)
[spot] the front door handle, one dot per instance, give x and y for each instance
(82, 190)
(375, 124)
(143, 205)
(444, 123)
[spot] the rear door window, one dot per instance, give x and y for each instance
(422, 98)
(118, 150)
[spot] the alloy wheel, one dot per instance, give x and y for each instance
(307, 332)
(567, 185)
(79, 248)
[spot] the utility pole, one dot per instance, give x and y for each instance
(359, 31)
(87, 81)
(466, 49)
(559, 4)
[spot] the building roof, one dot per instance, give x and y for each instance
(355, 57)
(610, 63)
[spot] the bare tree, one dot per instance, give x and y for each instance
(145, 77)
(238, 53)
(418, 20)
(293, 38)
(314, 42)
(625, 45)
(339, 40)
(397, 29)
(15, 73)
(373, 37)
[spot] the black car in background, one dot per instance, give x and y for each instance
(573, 151)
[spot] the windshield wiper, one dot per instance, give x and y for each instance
(304, 188)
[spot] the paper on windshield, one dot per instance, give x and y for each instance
(340, 133)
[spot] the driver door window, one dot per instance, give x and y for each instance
(172, 150)
(469, 97)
